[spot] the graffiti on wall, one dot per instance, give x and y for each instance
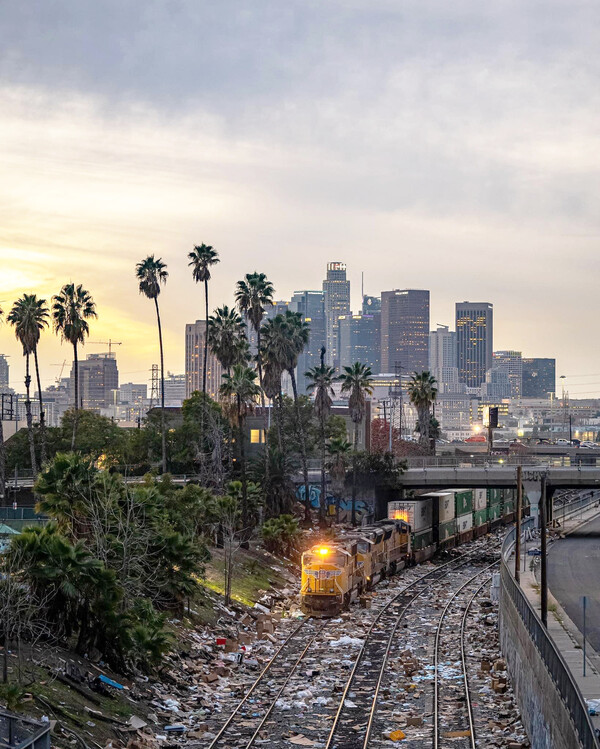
(340, 506)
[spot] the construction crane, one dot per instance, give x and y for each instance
(62, 369)
(110, 343)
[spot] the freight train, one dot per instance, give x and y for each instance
(334, 574)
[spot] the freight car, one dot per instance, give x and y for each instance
(333, 574)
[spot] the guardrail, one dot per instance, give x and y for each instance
(566, 511)
(477, 460)
(557, 668)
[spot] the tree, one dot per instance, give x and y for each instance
(273, 337)
(252, 295)
(422, 392)
(71, 310)
(228, 513)
(227, 337)
(356, 380)
(321, 381)
(201, 258)
(339, 451)
(29, 316)
(286, 337)
(2, 448)
(240, 386)
(151, 273)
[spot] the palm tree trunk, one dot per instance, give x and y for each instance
(76, 413)
(323, 500)
(354, 461)
(302, 440)
(162, 390)
(41, 400)
(204, 362)
(264, 408)
(2, 458)
(242, 438)
(29, 417)
(280, 422)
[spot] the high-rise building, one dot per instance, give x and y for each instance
(4, 378)
(175, 389)
(371, 305)
(497, 384)
(194, 358)
(311, 305)
(133, 394)
(271, 311)
(336, 290)
(475, 341)
(405, 330)
(539, 378)
(98, 381)
(510, 362)
(442, 357)
(360, 340)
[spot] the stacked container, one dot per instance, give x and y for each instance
(443, 518)
(480, 512)
(510, 505)
(463, 502)
(495, 507)
(418, 514)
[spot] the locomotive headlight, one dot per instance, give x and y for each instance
(324, 551)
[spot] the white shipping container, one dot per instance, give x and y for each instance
(480, 499)
(416, 512)
(446, 504)
(464, 523)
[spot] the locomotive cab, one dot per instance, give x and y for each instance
(326, 580)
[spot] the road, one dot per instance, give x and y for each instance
(574, 571)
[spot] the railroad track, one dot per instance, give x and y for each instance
(353, 723)
(444, 687)
(243, 726)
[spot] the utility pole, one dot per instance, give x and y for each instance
(544, 581)
(518, 528)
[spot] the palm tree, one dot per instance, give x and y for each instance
(240, 385)
(252, 295)
(227, 337)
(320, 381)
(71, 310)
(29, 316)
(356, 380)
(339, 450)
(2, 448)
(151, 273)
(272, 344)
(201, 258)
(422, 392)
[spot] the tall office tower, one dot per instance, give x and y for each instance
(405, 330)
(371, 305)
(98, 379)
(337, 302)
(194, 357)
(4, 379)
(175, 385)
(134, 394)
(311, 305)
(442, 358)
(497, 384)
(539, 378)
(271, 311)
(475, 338)
(360, 340)
(510, 362)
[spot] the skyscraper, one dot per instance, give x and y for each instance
(98, 379)
(4, 379)
(360, 340)
(443, 358)
(336, 290)
(539, 378)
(405, 330)
(310, 304)
(371, 305)
(475, 338)
(194, 357)
(510, 362)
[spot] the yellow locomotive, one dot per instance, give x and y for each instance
(336, 573)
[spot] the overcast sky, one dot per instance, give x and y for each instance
(448, 146)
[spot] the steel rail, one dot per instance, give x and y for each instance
(462, 560)
(258, 680)
(284, 685)
(438, 633)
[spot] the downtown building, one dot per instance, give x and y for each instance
(474, 340)
(195, 334)
(98, 381)
(336, 293)
(539, 378)
(443, 360)
(405, 331)
(511, 363)
(311, 305)
(359, 340)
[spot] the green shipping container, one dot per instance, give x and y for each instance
(494, 496)
(463, 502)
(422, 539)
(480, 518)
(494, 512)
(447, 530)
(509, 506)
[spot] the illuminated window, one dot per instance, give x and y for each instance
(257, 436)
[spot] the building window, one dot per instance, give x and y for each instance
(257, 436)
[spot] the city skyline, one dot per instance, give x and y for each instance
(460, 161)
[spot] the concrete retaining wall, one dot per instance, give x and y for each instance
(543, 712)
